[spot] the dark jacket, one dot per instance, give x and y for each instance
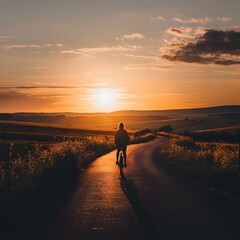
(121, 138)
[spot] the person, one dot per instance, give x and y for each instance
(121, 141)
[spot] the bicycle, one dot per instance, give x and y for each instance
(120, 159)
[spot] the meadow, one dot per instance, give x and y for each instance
(36, 157)
(180, 120)
(40, 167)
(37, 149)
(28, 166)
(216, 164)
(42, 156)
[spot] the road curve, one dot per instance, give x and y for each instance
(142, 202)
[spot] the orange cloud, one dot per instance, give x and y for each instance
(203, 21)
(100, 50)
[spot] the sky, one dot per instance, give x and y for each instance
(108, 55)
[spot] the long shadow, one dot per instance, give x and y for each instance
(129, 188)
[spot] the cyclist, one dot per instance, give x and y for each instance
(121, 141)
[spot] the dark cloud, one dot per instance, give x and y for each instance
(47, 87)
(214, 47)
(175, 30)
(39, 87)
(12, 101)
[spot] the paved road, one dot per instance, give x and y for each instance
(143, 202)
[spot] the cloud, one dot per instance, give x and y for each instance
(20, 46)
(12, 101)
(100, 50)
(38, 87)
(53, 45)
(148, 66)
(182, 35)
(203, 21)
(29, 46)
(140, 56)
(18, 88)
(213, 47)
(224, 19)
(182, 32)
(4, 38)
(193, 20)
(52, 98)
(160, 18)
(131, 36)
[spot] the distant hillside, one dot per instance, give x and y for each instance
(179, 119)
(207, 110)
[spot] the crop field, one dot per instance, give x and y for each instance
(40, 132)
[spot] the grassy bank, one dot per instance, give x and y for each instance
(36, 178)
(213, 163)
(27, 166)
(142, 136)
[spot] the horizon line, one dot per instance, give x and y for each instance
(125, 110)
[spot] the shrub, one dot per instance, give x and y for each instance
(166, 128)
(213, 162)
(187, 143)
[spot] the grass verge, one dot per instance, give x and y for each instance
(37, 178)
(214, 164)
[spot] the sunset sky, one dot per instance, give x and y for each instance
(107, 55)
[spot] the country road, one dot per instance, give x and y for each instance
(142, 202)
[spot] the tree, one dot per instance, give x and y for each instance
(166, 128)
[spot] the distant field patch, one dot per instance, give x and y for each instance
(44, 132)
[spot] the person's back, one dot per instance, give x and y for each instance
(121, 138)
(121, 141)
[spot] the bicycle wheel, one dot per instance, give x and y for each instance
(121, 160)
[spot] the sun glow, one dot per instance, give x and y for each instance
(105, 99)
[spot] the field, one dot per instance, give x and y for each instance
(43, 132)
(32, 155)
(36, 145)
(43, 155)
(180, 120)
(40, 165)
(38, 151)
(215, 164)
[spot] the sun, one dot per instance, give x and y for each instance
(105, 99)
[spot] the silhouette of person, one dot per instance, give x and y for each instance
(121, 141)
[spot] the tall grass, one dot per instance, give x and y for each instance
(215, 163)
(37, 178)
(30, 165)
(27, 166)
(142, 137)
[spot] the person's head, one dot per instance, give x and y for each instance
(121, 126)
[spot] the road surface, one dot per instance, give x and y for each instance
(142, 202)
